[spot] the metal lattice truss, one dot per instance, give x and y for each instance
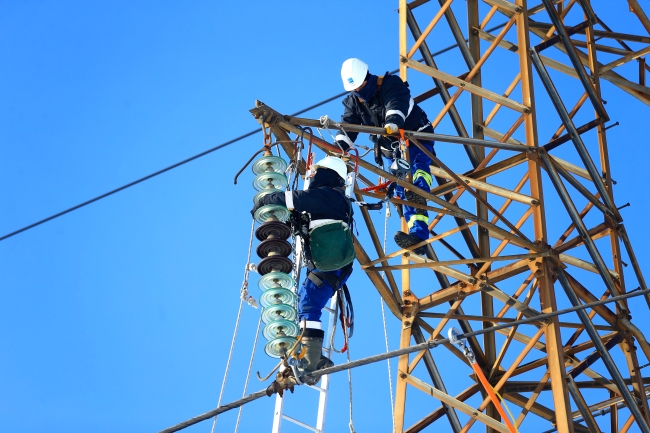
(504, 248)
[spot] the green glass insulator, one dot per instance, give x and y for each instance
(269, 211)
(279, 312)
(280, 328)
(276, 280)
(269, 164)
(278, 346)
(270, 182)
(277, 296)
(261, 194)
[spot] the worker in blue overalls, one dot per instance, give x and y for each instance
(386, 102)
(324, 208)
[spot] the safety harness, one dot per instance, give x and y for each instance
(300, 223)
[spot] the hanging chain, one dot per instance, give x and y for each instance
(267, 135)
(297, 256)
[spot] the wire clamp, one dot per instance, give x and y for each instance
(457, 338)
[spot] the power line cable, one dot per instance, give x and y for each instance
(427, 345)
(192, 158)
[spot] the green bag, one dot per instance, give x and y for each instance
(331, 246)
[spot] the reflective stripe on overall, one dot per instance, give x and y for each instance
(418, 223)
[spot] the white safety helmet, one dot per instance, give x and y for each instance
(353, 73)
(335, 164)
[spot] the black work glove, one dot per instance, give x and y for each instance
(379, 159)
(256, 206)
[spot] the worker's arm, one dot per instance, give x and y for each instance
(350, 115)
(320, 202)
(397, 98)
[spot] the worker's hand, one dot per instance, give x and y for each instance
(391, 128)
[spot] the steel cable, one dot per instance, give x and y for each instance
(250, 368)
(192, 158)
(383, 318)
(430, 344)
(243, 291)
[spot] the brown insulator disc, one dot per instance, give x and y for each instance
(272, 229)
(274, 247)
(274, 263)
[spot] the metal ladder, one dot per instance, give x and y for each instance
(323, 387)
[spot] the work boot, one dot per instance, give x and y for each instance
(404, 240)
(418, 199)
(312, 345)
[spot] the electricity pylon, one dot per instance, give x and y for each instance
(524, 226)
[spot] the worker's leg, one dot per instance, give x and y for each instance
(418, 219)
(313, 297)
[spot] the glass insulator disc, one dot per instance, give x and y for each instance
(277, 295)
(269, 164)
(280, 328)
(270, 182)
(266, 212)
(261, 194)
(276, 280)
(279, 312)
(278, 346)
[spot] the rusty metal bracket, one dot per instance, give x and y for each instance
(410, 309)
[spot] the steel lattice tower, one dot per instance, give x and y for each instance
(497, 252)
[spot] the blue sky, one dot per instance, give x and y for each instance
(119, 316)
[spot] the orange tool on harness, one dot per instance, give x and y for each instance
(401, 135)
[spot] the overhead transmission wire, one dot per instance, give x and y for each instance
(199, 155)
(427, 345)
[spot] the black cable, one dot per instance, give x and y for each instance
(178, 164)
(135, 182)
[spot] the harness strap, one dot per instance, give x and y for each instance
(343, 323)
(320, 278)
(349, 307)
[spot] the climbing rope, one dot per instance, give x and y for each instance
(225, 375)
(512, 418)
(383, 318)
(248, 373)
(350, 386)
(347, 350)
(366, 149)
(245, 297)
